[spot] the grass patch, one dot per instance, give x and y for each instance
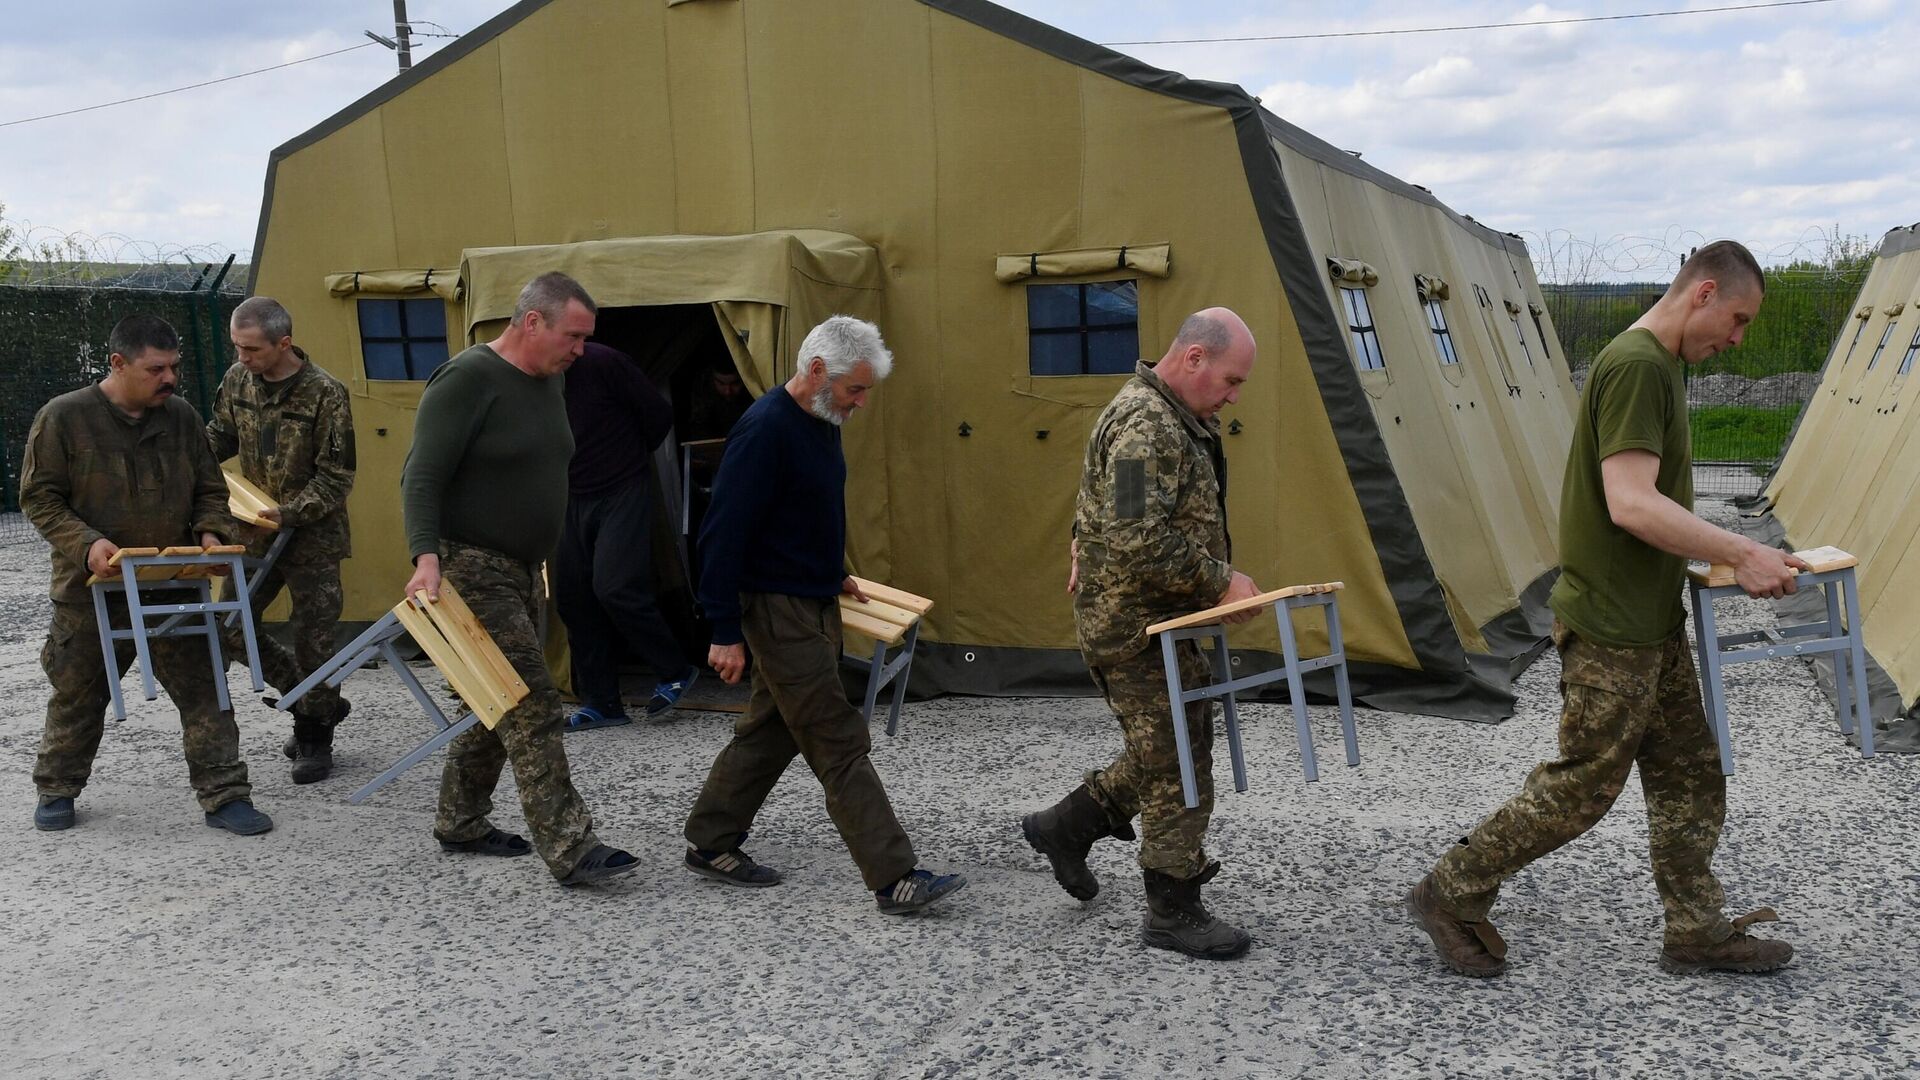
(1741, 432)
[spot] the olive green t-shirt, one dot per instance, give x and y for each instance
(1614, 588)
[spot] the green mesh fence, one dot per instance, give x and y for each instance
(1743, 403)
(53, 339)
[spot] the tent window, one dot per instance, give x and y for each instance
(1525, 350)
(1366, 341)
(1086, 329)
(1857, 331)
(403, 340)
(1442, 337)
(1906, 362)
(1882, 347)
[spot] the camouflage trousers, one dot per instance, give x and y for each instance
(506, 595)
(77, 708)
(1145, 778)
(799, 708)
(1622, 707)
(315, 591)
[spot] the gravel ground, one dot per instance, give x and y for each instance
(344, 944)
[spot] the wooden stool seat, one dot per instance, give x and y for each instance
(170, 570)
(891, 617)
(453, 639)
(1833, 575)
(1207, 625)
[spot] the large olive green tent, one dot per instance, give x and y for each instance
(1024, 213)
(1851, 475)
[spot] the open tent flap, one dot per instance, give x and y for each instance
(760, 284)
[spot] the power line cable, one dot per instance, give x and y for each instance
(1474, 26)
(179, 89)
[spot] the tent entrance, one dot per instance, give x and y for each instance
(682, 351)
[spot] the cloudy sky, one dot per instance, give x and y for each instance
(1609, 145)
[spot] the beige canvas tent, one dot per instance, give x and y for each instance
(1024, 213)
(1851, 475)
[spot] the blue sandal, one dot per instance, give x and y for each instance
(586, 718)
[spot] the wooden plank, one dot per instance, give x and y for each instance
(131, 553)
(246, 501)
(1822, 559)
(434, 644)
(860, 622)
(483, 679)
(886, 613)
(887, 594)
(1215, 614)
(477, 646)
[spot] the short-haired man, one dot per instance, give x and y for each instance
(1630, 694)
(774, 555)
(484, 490)
(124, 463)
(1150, 543)
(603, 570)
(291, 426)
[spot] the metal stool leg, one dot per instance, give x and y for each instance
(210, 626)
(1296, 691)
(1182, 744)
(1862, 711)
(419, 754)
(107, 654)
(900, 678)
(874, 667)
(1342, 688)
(137, 622)
(1223, 672)
(1842, 661)
(1710, 674)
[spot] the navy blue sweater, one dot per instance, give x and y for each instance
(618, 420)
(778, 522)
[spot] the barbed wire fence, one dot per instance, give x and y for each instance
(60, 294)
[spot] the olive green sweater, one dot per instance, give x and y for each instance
(488, 465)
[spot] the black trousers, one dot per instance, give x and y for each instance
(603, 585)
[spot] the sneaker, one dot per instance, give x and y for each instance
(916, 891)
(668, 694)
(735, 867)
(598, 865)
(240, 818)
(54, 813)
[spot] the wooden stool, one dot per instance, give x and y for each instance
(1206, 625)
(890, 617)
(1833, 574)
(248, 503)
(173, 568)
(447, 631)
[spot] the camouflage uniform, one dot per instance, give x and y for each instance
(294, 439)
(92, 472)
(1151, 524)
(507, 596)
(1623, 706)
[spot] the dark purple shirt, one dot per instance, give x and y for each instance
(618, 420)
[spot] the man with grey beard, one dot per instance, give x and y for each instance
(773, 555)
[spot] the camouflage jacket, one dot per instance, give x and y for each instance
(295, 439)
(92, 471)
(1151, 520)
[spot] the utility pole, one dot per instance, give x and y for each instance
(401, 41)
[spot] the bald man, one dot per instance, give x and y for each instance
(1150, 543)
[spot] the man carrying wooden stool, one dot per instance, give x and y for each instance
(485, 494)
(774, 549)
(290, 424)
(1627, 676)
(1150, 543)
(124, 463)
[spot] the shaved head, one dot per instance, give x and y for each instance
(1210, 357)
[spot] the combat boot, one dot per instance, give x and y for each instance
(1742, 952)
(1474, 949)
(1176, 919)
(1065, 832)
(312, 762)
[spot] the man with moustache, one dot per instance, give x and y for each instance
(125, 463)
